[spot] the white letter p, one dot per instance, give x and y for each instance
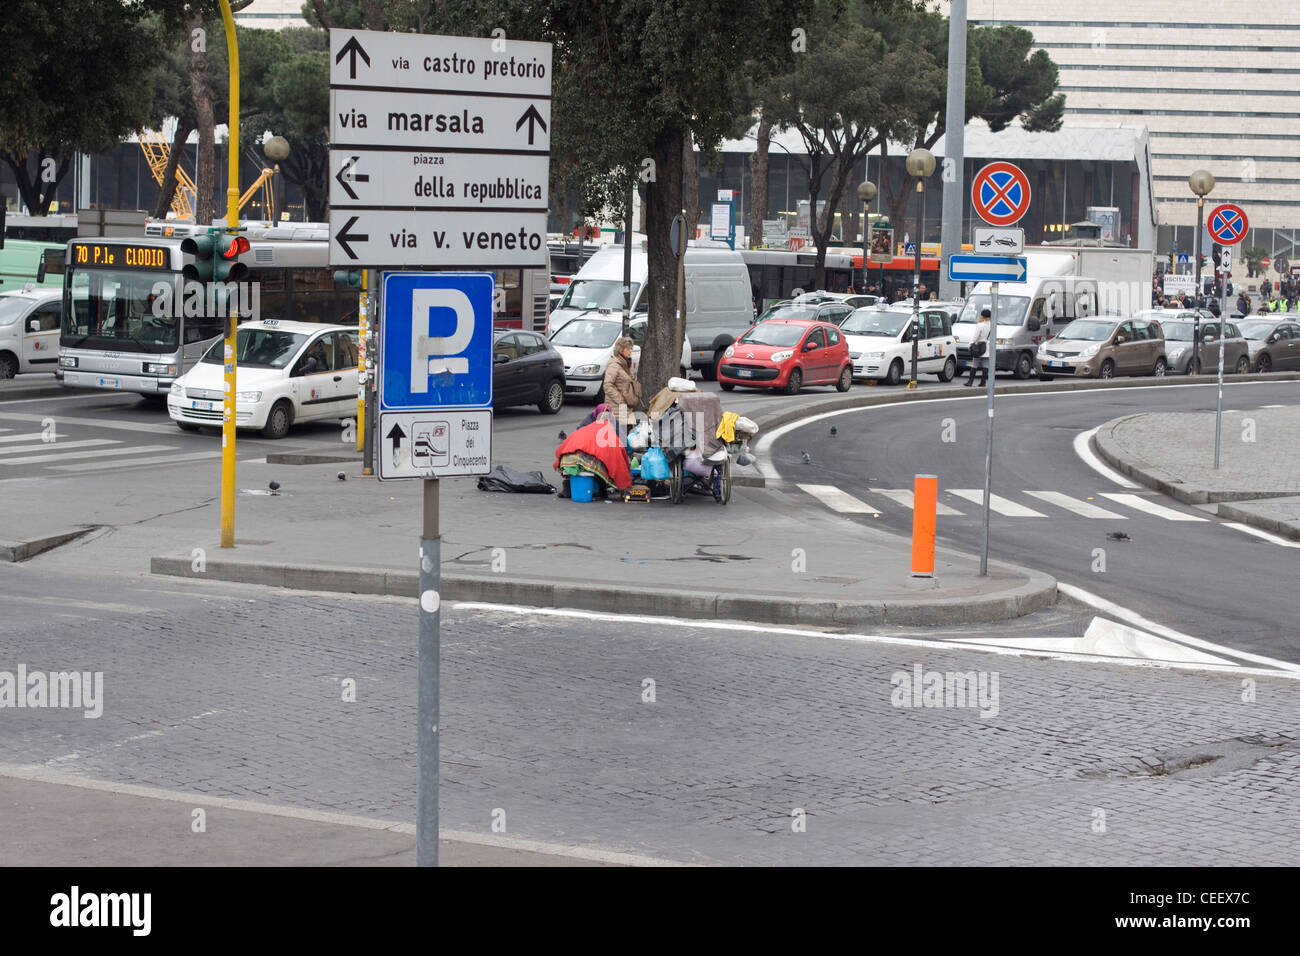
(434, 355)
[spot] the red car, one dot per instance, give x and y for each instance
(788, 354)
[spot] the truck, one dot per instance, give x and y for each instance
(1062, 283)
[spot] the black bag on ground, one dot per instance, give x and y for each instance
(507, 479)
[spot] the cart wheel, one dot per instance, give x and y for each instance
(675, 492)
(722, 477)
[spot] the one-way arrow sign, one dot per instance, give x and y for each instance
(353, 49)
(967, 268)
(346, 174)
(396, 435)
(533, 118)
(343, 237)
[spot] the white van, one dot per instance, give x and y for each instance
(719, 307)
(1029, 313)
(29, 331)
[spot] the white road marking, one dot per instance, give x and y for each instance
(1267, 536)
(30, 436)
(1003, 506)
(137, 462)
(1150, 507)
(1282, 669)
(1085, 509)
(168, 429)
(838, 500)
(1108, 639)
(1272, 406)
(1085, 452)
(1137, 620)
(33, 459)
(904, 497)
(51, 446)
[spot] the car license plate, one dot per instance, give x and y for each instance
(745, 373)
(1056, 365)
(108, 383)
(202, 406)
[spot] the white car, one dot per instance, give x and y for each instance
(287, 372)
(880, 344)
(29, 331)
(586, 344)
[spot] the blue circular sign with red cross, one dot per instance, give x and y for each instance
(1228, 224)
(1000, 194)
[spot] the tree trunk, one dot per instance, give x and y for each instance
(690, 187)
(28, 187)
(205, 181)
(758, 181)
(661, 353)
(169, 183)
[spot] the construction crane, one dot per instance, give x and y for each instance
(156, 152)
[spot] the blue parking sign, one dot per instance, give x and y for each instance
(436, 332)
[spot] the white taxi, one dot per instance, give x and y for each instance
(287, 372)
(880, 343)
(29, 331)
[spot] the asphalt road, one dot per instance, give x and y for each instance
(1195, 576)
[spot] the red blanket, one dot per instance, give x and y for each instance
(601, 442)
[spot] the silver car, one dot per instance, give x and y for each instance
(1274, 343)
(1178, 348)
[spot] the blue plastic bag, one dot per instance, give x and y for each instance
(654, 466)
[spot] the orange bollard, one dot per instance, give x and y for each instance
(925, 504)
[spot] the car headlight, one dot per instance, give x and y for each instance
(781, 356)
(177, 388)
(587, 370)
(248, 397)
(160, 368)
(873, 355)
(1089, 352)
(67, 361)
(855, 355)
(1174, 354)
(731, 350)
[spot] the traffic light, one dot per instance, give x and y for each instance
(228, 268)
(348, 277)
(202, 249)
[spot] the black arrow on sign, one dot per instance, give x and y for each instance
(353, 48)
(396, 434)
(344, 237)
(532, 118)
(345, 176)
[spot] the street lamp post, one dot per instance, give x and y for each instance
(866, 192)
(920, 164)
(1201, 183)
(276, 149)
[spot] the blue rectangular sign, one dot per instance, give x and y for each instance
(975, 268)
(436, 335)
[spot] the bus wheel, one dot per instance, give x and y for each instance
(8, 365)
(278, 420)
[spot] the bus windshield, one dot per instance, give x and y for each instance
(121, 311)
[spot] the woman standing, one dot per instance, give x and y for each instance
(622, 390)
(979, 349)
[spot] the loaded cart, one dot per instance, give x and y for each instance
(699, 462)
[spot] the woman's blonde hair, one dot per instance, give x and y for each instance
(622, 343)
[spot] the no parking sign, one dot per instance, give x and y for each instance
(1000, 194)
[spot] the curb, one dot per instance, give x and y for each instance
(1163, 481)
(1036, 594)
(1286, 529)
(15, 551)
(892, 396)
(290, 458)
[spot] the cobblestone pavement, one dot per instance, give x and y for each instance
(1259, 449)
(238, 691)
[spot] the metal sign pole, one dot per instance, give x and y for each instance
(1225, 264)
(426, 820)
(371, 297)
(991, 353)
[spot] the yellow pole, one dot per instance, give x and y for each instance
(232, 320)
(364, 330)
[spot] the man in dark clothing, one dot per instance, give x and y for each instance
(1243, 304)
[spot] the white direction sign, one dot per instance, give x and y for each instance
(1175, 284)
(439, 151)
(999, 241)
(438, 443)
(423, 179)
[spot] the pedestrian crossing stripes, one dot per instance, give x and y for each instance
(98, 453)
(842, 502)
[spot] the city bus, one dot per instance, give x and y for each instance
(895, 275)
(131, 323)
(775, 273)
(20, 264)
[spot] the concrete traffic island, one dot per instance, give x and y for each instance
(752, 560)
(1258, 479)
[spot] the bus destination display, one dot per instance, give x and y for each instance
(101, 255)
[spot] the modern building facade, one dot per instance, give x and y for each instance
(1215, 86)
